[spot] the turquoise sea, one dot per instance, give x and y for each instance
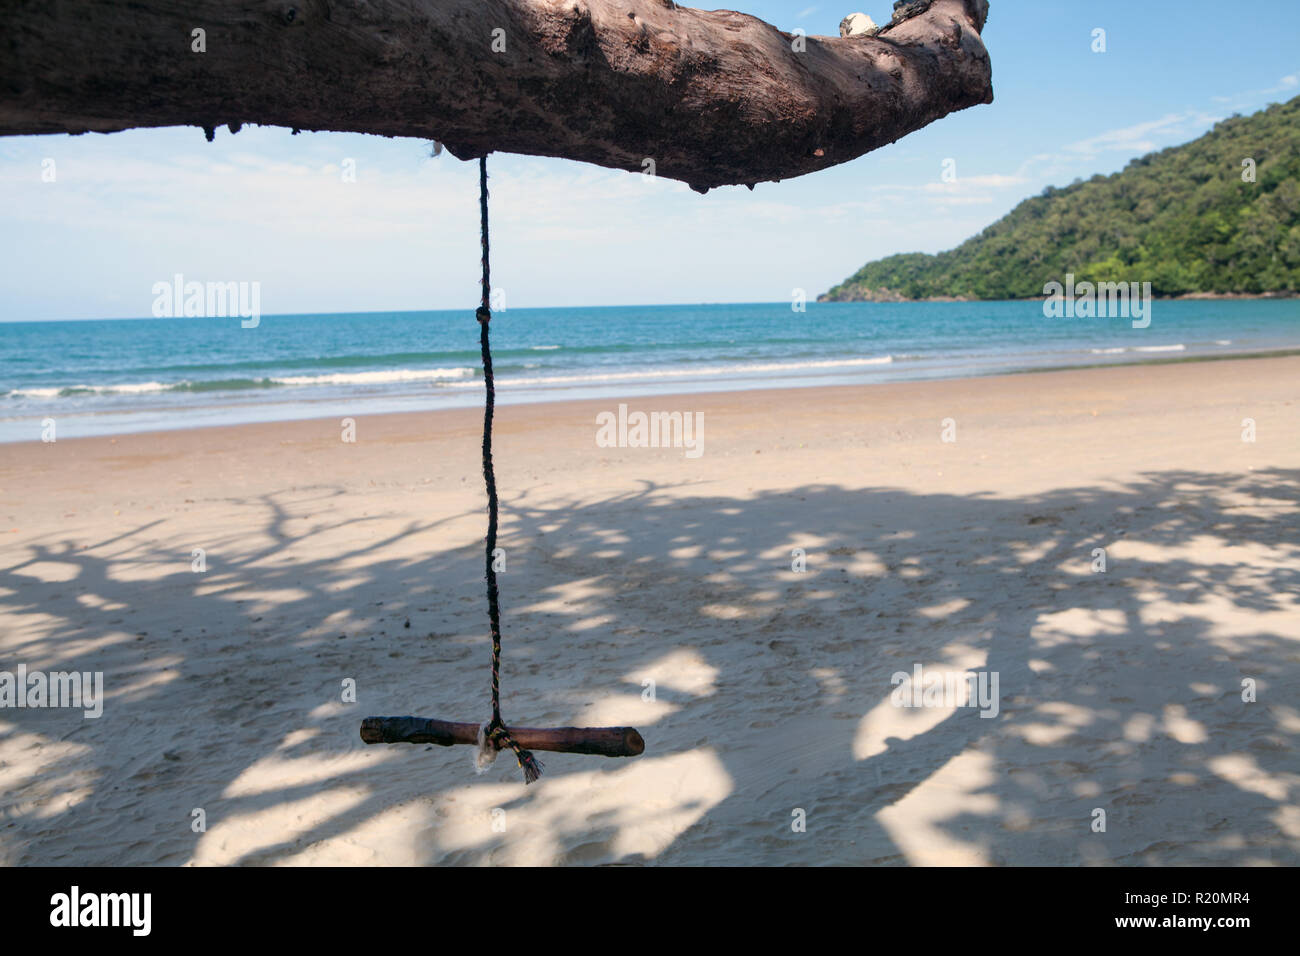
(124, 375)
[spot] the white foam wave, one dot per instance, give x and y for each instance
(377, 378)
(129, 388)
(686, 372)
(335, 378)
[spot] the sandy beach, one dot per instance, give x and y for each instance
(637, 569)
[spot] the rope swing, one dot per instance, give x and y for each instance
(496, 731)
(493, 735)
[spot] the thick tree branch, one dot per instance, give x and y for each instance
(712, 98)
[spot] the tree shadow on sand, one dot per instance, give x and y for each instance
(1119, 691)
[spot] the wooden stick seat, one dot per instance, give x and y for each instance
(602, 741)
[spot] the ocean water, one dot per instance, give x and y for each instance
(124, 375)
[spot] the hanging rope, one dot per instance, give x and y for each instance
(495, 731)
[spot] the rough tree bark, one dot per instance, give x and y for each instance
(712, 98)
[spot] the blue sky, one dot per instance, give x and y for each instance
(131, 209)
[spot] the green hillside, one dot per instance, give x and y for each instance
(1181, 219)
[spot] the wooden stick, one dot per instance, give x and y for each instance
(604, 741)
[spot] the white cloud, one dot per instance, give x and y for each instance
(1142, 137)
(1080, 156)
(1251, 99)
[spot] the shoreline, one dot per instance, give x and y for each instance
(504, 399)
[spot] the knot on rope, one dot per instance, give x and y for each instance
(484, 314)
(494, 735)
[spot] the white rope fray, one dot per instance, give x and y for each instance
(487, 751)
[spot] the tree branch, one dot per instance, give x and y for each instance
(711, 98)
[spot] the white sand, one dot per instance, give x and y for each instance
(1119, 690)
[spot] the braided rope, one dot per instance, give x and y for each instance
(497, 731)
